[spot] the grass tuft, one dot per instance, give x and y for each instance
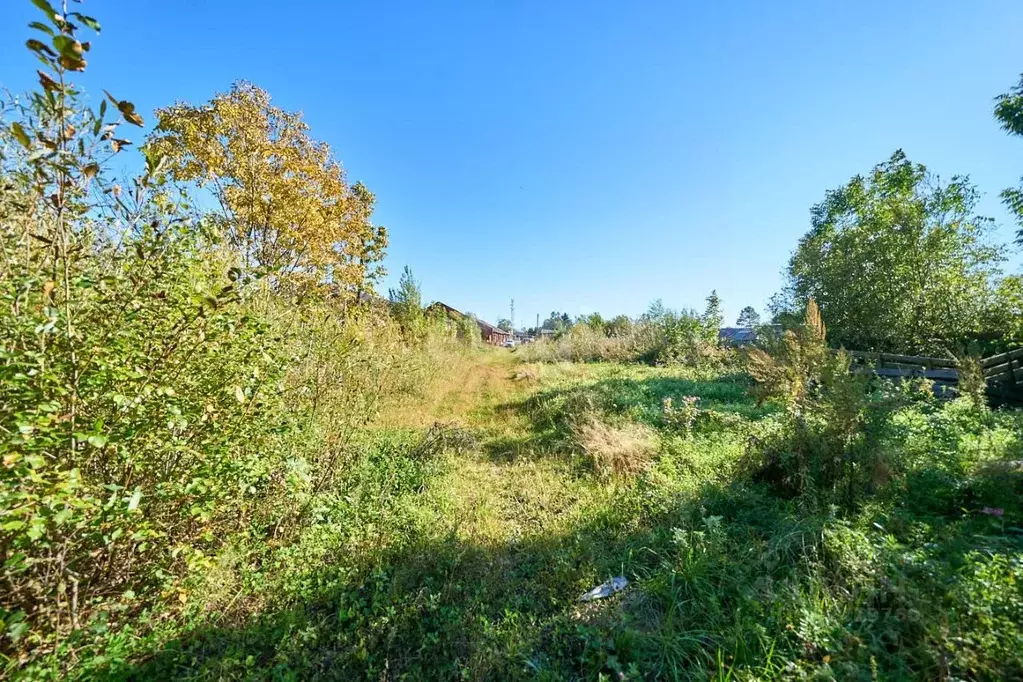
(615, 451)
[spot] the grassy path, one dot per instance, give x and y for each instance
(500, 491)
(502, 555)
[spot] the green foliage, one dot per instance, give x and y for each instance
(619, 326)
(401, 576)
(197, 480)
(712, 316)
(443, 326)
(582, 343)
(557, 322)
(661, 336)
(687, 338)
(159, 405)
(897, 261)
(735, 580)
(683, 337)
(972, 382)
(828, 443)
(791, 366)
(1009, 113)
(594, 321)
(1008, 313)
(468, 330)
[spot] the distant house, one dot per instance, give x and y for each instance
(741, 336)
(488, 332)
(737, 335)
(491, 334)
(438, 308)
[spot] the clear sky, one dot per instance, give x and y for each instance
(589, 156)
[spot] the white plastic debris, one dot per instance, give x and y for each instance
(612, 586)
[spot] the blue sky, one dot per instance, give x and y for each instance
(585, 156)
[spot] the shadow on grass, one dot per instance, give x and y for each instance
(725, 576)
(439, 608)
(729, 577)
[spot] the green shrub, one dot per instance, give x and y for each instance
(139, 402)
(829, 441)
(157, 402)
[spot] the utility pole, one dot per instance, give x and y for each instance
(513, 316)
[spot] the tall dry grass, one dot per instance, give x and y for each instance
(614, 451)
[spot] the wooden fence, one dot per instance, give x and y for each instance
(1003, 373)
(1004, 368)
(942, 370)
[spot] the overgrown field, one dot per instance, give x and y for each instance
(459, 549)
(224, 456)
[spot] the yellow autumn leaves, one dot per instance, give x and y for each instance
(284, 201)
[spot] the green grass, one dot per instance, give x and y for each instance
(464, 557)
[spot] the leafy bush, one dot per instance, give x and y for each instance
(158, 399)
(140, 405)
(467, 331)
(582, 343)
(829, 439)
(681, 417)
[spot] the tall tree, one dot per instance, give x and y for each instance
(284, 201)
(897, 260)
(362, 260)
(505, 324)
(1009, 112)
(748, 317)
(655, 311)
(407, 304)
(712, 317)
(557, 321)
(594, 321)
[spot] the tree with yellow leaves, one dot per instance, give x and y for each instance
(285, 203)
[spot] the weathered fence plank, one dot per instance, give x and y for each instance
(1003, 373)
(1002, 358)
(937, 374)
(997, 369)
(892, 358)
(1003, 378)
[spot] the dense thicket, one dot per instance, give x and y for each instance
(661, 336)
(172, 380)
